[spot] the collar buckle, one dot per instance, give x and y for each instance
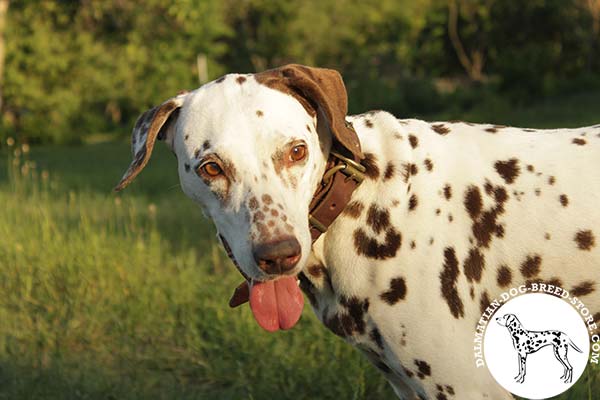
(348, 167)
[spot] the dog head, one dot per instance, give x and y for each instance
(507, 320)
(251, 150)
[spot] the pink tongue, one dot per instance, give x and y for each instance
(276, 304)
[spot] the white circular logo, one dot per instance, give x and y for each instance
(536, 346)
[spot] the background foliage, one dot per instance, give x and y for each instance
(75, 68)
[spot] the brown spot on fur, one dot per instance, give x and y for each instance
(413, 140)
(450, 390)
(259, 113)
(538, 192)
(370, 164)
(448, 280)
(274, 213)
(428, 164)
(473, 202)
(267, 199)
(486, 223)
(423, 369)
(579, 141)
(258, 216)
(484, 301)
(383, 367)
(440, 129)
(474, 265)
(396, 292)
(409, 169)
(564, 200)
(263, 231)
(206, 145)
(509, 170)
(584, 288)
(531, 266)
(317, 270)
(414, 169)
(504, 276)
(488, 187)
(186, 137)
(368, 123)
(390, 169)
(354, 209)
(491, 130)
(530, 168)
(308, 288)
(413, 244)
(356, 310)
(378, 218)
(371, 248)
(441, 396)
(547, 236)
(221, 79)
(412, 202)
(585, 239)
(375, 336)
(437, 211)
(551, 180)
(448, 192)
(240, 79)
(253, 203)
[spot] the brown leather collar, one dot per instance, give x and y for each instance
(342, 176)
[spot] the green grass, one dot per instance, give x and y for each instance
(106, 296)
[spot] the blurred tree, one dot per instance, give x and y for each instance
(75, 67)
(593, 7)
(3, 10)
(476, 17)
(99, 64)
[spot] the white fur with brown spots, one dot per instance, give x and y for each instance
(450, 215)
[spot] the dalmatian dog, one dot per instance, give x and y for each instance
(423, 223)
(528, 342)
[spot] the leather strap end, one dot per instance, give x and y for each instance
(241, 295)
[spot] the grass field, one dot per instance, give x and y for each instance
(106, 296)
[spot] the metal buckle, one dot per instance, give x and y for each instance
(350, 168)
(315, 223)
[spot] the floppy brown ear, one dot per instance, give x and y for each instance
(156, 123)
(317, 89)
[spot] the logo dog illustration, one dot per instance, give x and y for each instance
(528, 342)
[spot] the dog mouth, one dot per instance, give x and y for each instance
(276, 303)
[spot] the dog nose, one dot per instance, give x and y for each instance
(277, 257)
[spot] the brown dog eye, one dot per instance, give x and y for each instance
(211, 169)
(298, 153)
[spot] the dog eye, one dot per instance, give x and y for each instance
(211, 169)
(298, 153)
